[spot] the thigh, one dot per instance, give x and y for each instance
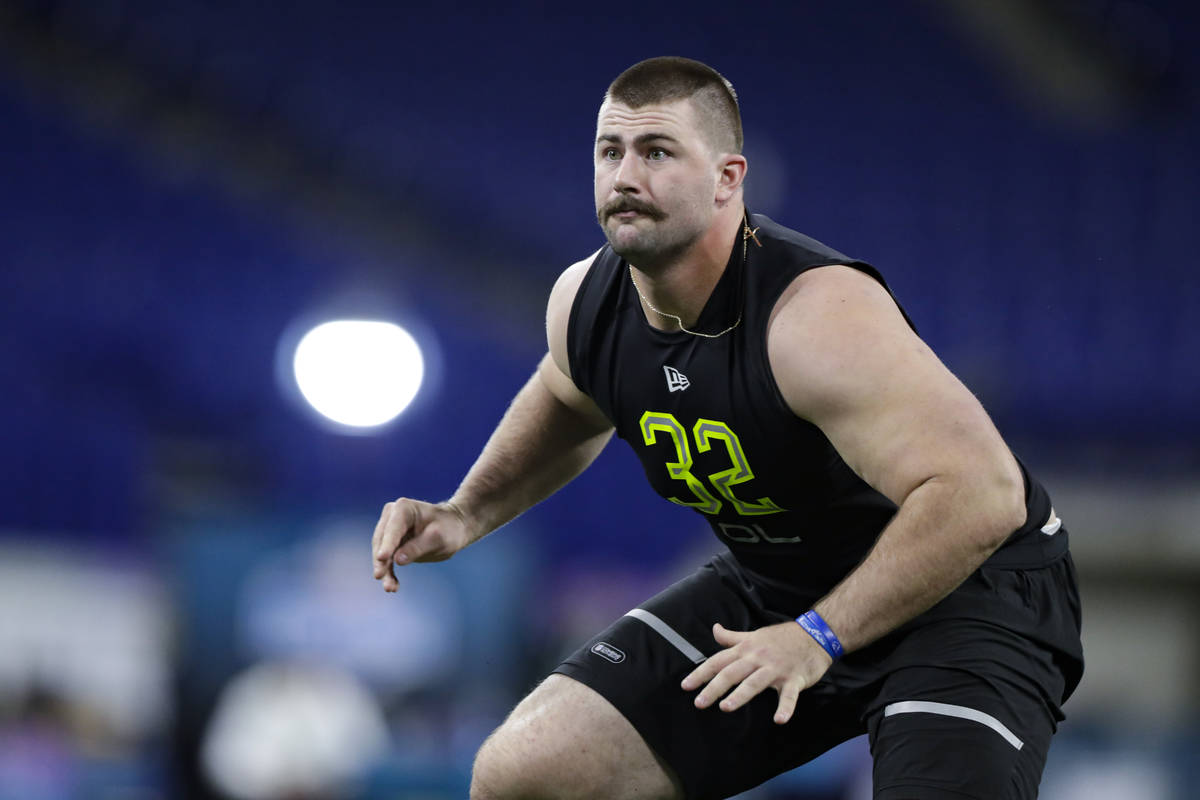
(947, 733)
(566, 741)
(638, 662)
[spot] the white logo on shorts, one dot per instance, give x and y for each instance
(606, 650)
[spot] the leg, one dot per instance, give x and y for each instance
(614, 722)
(947, 733)
(966, 700)
(566, 741)
(931, 755)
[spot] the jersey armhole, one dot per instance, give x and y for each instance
(577, 355)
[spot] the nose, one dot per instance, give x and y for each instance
(627, 179)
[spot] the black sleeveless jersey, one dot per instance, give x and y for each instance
(710, 426)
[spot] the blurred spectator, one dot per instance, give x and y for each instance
(293, 731)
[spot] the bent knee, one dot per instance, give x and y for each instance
(500, 774)
(546, 750)
(512, 765)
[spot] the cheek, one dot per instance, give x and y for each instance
(696, 193)
(601, 181)
(708, 190)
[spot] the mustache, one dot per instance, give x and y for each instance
(631, 204)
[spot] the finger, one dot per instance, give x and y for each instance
(390, 584)
(378, 559)
(726, 637)
(412, 549)
(748, 689)
(395, 530)
(391, 530)
(726, 679)
(707, 670)
(787, 702)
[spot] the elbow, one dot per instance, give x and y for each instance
(1003, 505)
(991, 504)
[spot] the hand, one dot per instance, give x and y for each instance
(782, 657)
(410, 531)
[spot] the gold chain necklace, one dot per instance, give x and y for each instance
(747, 234)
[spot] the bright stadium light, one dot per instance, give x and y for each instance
(358, 373)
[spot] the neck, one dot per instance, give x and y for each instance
(683, 286)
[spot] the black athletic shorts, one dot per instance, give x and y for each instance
(960, 702)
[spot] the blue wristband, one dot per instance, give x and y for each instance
(818, 629)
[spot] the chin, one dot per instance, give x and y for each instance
(623, 238)
(626, 249)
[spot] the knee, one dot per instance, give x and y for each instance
(517, 763)
(498, 773)
(485, 782)
(565, 742)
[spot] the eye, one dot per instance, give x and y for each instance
(610, 154)
(657, 154)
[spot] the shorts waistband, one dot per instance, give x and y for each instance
(1037, 548)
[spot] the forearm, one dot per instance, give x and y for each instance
(941, 533)
(539, 446)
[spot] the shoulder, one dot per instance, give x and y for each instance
(567, 284)
(558, 309)
(795, 246)
(835, 287)
(831, 328)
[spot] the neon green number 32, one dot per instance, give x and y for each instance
(706, 432)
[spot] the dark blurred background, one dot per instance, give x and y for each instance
(186, 608)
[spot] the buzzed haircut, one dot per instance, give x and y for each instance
(669, 78)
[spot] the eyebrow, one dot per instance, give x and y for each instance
(640, 140)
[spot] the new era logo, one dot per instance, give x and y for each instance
(676, 380)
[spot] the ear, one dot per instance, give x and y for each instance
(732, 172)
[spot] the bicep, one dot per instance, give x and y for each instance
(846, 360)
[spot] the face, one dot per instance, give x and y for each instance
(656, 180)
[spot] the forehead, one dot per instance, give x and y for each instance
(674, 119)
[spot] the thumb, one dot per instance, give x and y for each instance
(427, 544)
(412, 550)
(725, 636)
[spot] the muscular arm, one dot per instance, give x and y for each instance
(540, 445)
(550, 433)
(846, 360)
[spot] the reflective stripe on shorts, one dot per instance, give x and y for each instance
(947, 710)
(670, 634)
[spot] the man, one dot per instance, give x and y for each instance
(891, 567)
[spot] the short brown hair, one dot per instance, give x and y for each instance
(669, 78)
